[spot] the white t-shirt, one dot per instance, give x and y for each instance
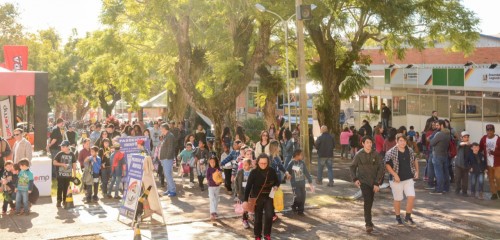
(491, 144)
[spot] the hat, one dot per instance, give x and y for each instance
(465, 133)
(65, 143)
(116, 145)
(490, 127)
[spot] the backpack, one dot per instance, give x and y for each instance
(452, 148)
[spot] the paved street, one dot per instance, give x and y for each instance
(331, 215)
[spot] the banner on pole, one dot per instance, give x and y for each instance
(16, 57)
(6, 118)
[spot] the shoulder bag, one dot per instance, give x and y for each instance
(253, 201)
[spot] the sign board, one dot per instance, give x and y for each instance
(128, 145)
(6, 119)
(42, 174)
(133, 188)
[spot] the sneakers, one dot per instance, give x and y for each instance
(409, 220)
(436, 193)
(319, 182)
(213, 216)
(267, 237)
(172, 194)
(95, 199)
(494, 196)
(399, 221)
(330, 184)
(245, 224)
(191, 184)
(369, 229)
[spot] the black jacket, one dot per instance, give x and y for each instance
(324, 145)
(257, 181)
(167, 150)
(368, 168)
(477, 166)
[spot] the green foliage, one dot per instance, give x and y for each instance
(10, 29)
(253, 127)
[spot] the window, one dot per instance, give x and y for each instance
(442, 106)
(413, 104)
(252, 92)
(474, 109)
(427, 104)
(399, 106)
(491, 110)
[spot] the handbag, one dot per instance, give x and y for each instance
(238, 208)
(186, 168)
(253, 201)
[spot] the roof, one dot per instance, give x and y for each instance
(158, 101)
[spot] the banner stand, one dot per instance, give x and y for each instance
(136, 185)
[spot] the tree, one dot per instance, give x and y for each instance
(11, 31)
(114, 71)
(218, 47)
(269, 87)
(341, 28)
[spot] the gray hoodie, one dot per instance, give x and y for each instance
(441, 142)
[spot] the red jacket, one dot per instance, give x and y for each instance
(496, 153)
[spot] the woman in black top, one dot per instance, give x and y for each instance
(104, 153)
(262, 180)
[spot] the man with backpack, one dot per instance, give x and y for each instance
(440, 144)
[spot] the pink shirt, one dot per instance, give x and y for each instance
(344, 137)
(379, 142)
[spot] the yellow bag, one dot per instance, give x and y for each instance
(217, 177)
(278, 201)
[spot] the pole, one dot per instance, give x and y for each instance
(304, 118)
(287, 75)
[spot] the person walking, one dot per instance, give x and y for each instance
(490, 147)
(167, 157)
(344, 142)
(324, 144)
(259, 185)
(22, 147)
(367, 171)
(403, 169)
(65, 161)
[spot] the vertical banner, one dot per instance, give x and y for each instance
(132, 191)
(6, 118)
(16, 57)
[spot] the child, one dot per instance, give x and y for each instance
(8, 186)
(478, 166)
(24, 187)
(240, 184)
(412, 133)
(297, 172)
(213, 187)
(186, 157)
(462, 165)
(201, 155)
(354, 142)
(118, 170)
(94, 162)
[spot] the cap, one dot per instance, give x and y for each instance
(490, 127)
(465, 133)
(65, 143)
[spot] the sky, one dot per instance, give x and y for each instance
(64, 15)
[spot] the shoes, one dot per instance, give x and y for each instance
(436, 193)
(267, 237)
(369, 229)
(399, 221)
(429, 188)
(294, 208)
(58, 204)
(171, 194)
(27, 213)
(191, 184)
(494, 196)
(245, 224)
(457, 192)
(257, 238)
(319, 182)
(216, 215)
(95, 199)
(109, 196)
(212, 216)
(409, 220)
(301, 214)
(275, 217)
(202, 188)
(330, 184)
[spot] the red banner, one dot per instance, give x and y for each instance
(16, 57)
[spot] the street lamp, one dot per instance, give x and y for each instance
(261, 8)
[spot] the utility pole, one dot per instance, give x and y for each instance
(304, 118)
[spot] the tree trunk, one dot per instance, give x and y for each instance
(269, 110)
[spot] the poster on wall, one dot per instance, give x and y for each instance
(6, 119)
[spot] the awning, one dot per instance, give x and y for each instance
(297, 104)
(158, 101)
(297, 119)
(205, 118)
(21, 83)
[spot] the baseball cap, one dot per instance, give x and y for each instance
(64, 143)
(465, 133)
(490, 127)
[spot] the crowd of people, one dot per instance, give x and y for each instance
(251, 172)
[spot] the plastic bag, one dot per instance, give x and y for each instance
(278, 200)
(238, 208)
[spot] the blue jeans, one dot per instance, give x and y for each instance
(168, 165)
(288, 159)
(115, 181)
(321, 163)
(429, 168)
(479, 178)
(22, 197)
(442, 173)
